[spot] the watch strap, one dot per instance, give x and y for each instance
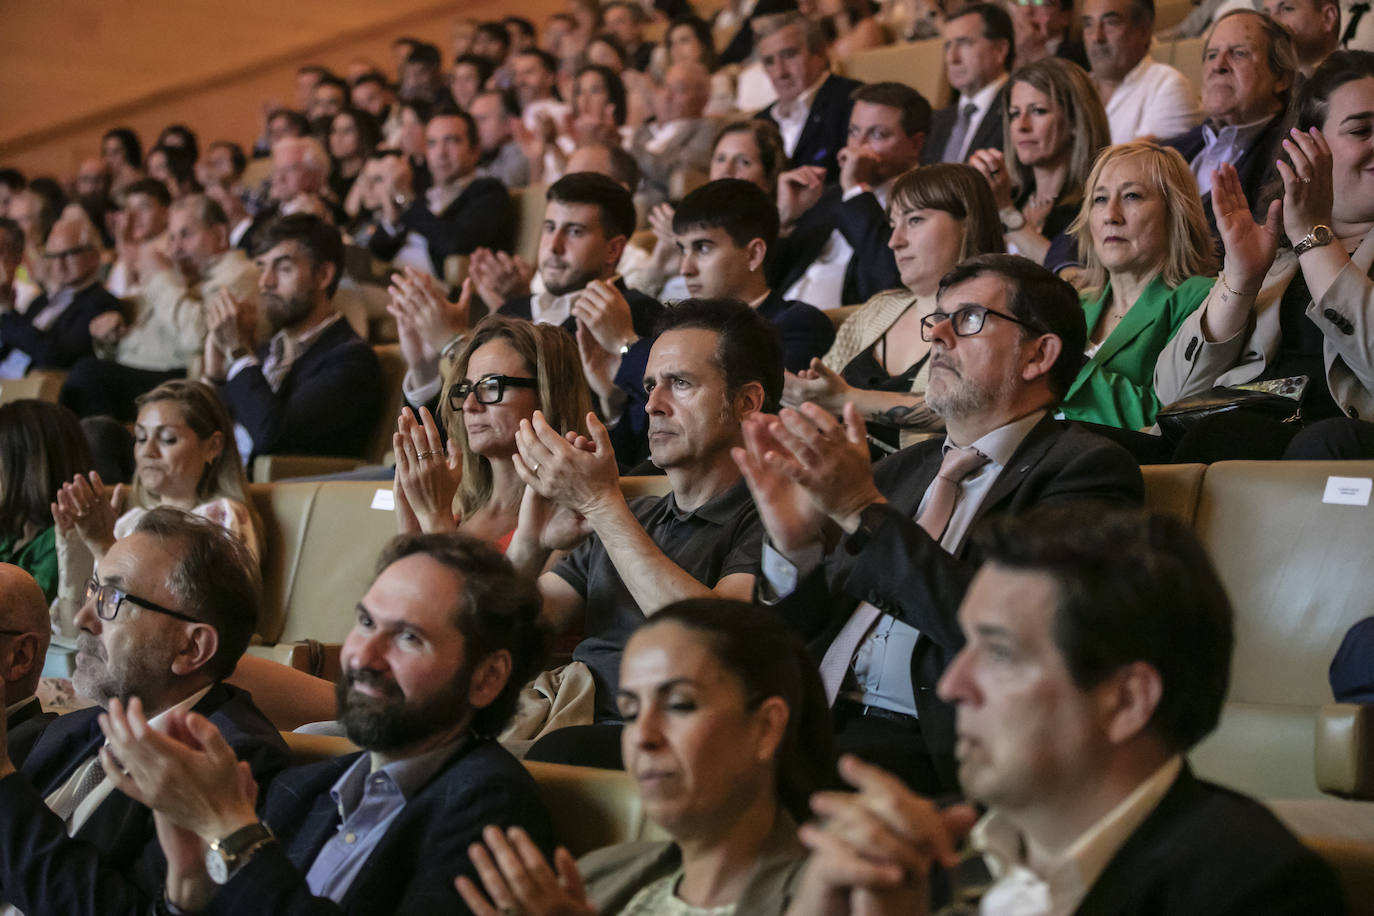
(1318, 236)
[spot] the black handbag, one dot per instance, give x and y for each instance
(1280, 398)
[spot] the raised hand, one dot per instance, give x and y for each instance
(1250, 246)
(573, 477)
(818, 384)
(89, 508)
(993, 166)
(827, 459)
(793, 521)
(1307, 186)
(606, 313)
(427, 476)
(519, 881)
(798, 191)
(857, 167)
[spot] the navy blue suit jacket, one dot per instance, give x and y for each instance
(988, 135)
(1255, 168)
(827, 126)
(412, 870)
(67, 340)
(863, 223)
(328, 404)
(481, 217)
(23, 728)
(114, 864)
(907, 574)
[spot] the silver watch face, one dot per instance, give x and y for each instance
(217, 866)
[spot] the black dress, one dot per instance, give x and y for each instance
(866, 371)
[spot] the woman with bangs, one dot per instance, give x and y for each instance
(1149, 263)
(940, 214)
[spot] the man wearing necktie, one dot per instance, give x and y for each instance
(979, 48)
(877, 559)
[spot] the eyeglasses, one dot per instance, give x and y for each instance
(490, 389)
(968, 321)
(69, 253)
(108, 600)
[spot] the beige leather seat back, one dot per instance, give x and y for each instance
(1299, 574)
(1185, 56)
(919, 64)
(592, 808)
(1173, 489)
(529, 216)
(393, 374)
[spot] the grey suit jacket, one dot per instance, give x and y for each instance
(689, 150)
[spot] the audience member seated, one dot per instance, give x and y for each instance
(731, 817)
(688, 40)
(373, 94)
(678, 142)
(353, 135)
(469, 74)
(24, 634)
(16, 289)
(12, 181)
(979, 51)
(713, 364)
(314, 387)
(625, 19)
(387, 172)
(940, 215)
(123, 155)
(1248, 72)
(35, 219)
(298, 184)
(494, 114)
(1316, 28)
(1075, 714)
(834, 248)
(175, 167)
(54, 332)
(588, 220)
(1148, 265)
(1351, 672)
(850, 26)
(173, 609)
(1144, 98)
(536, 78)
(1044, 28)
(140, 230)
(460, 210)
(1304, 315)
(184, 457)
(1055, 127)
(328, 97)
(812, 110)
(166, 330)
(750, 150)
(422, 74)
(385, 829)
(1006, 341)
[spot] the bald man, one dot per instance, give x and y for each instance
(24, 632)
(678, 141)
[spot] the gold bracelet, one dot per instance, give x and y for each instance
(1222, 278)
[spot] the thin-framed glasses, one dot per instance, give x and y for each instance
(108, 600)
(490, 389)
(968, 321)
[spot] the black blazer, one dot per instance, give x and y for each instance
(481, 217)
(69, 339)
(328, 404)
(412, 869)
(114, 864)
(988, 134)
(863, 223)
(827, 126)
(1208, 851)
(23, 727)
(1255, 168)
(906, 573)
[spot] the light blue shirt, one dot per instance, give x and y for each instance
(369, 801)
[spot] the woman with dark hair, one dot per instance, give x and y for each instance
(851, 26)
(727, 732)
(41, 447)
(174, 167)
(180, 136)
(1300, 311)
(353, 135)
(122, 154)
(599, 105)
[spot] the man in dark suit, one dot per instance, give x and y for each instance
(1075, 711)
(459, 212)
(445, 639)
(812, 110)
(314, 387)
(54, 332)
(1248, 71)
(1006, 341)
(834, 248)
(24, 632)
(979, 50)
(174, 608)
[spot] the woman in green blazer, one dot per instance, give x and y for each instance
(1149, 259)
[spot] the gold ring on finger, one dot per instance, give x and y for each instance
(421, 456)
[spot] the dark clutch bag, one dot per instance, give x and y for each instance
(1280, 398)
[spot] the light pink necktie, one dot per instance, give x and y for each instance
(958, 464)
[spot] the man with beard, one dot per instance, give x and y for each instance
(172, 610)
(879, 556)
(443, 642)
(314, 388)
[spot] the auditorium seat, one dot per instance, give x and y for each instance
(42, 384)
(592, 808)
(919, 64)
(1185, 56)
(529, 220)
(1173, 489)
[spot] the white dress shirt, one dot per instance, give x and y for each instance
(1154, 100)
(981, 100)
(792, 118)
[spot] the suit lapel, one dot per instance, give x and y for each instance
(1136, 320)
(321, 820)
(1029, 453)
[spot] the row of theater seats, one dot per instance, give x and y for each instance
(1297, 568)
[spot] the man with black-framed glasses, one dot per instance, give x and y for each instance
(882, 553)
(169, 613)
(54, 331)
(24, 632)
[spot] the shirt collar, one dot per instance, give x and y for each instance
(312, 334)
(1072, 874)
(1001, 443)
(803, 103)
(719, 509)
(982, 99)
(438, 198)
(406, 776)
(1238, 134)
(159, 721)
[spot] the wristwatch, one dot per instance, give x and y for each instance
(1320, 235)
(226, 856)
(624, 348)
(1012, 218)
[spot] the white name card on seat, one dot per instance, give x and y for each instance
(386, 499)
(1348, 491)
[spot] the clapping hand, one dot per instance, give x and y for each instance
(1307, 185)
(518, 880)
(818, 384)
(89, 508)
(427, 474)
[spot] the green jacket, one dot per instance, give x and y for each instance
(1116, 386)
(38, 558)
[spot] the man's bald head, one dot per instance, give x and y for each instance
(24, 632)
(685, 90)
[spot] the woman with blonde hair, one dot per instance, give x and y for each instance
(940, 215)
(1149, 262)
(1055, 126)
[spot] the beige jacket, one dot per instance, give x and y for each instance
(1190, 364)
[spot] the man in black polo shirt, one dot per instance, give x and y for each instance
(714, 363)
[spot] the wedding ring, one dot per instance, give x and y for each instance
(421, 456)
(1307, 181)
(534, 469)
